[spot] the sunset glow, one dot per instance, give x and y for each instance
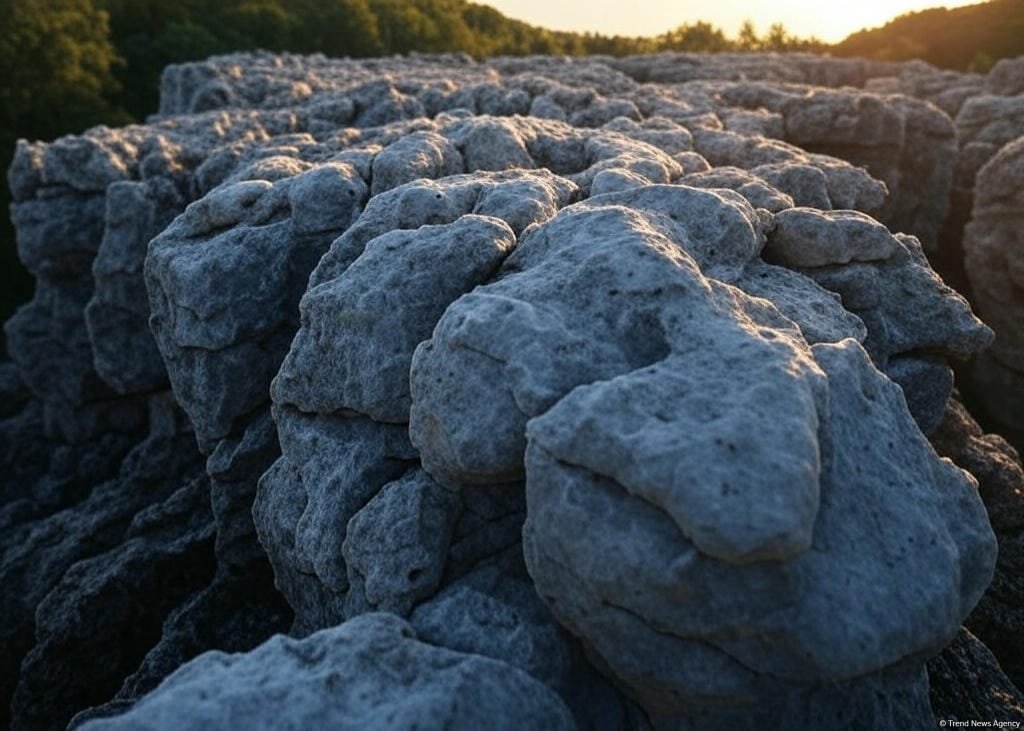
(828, 21)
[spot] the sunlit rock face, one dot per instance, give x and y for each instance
(988, 111)
(565, 393)
(994, 249)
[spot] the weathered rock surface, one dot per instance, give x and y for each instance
(932, 320)
(997, 619)
(165, 557)
(369, 672)
(967, 684)
(994, 260)
(986, 123)
(570, 563)
(610, 376)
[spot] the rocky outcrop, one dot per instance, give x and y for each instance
(994, 260)
(997, 619)
(967, 684)
(372, 671)
(496, 384)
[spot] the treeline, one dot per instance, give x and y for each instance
(149, 34)
(970, 38)
(67, 63)
(56, 75)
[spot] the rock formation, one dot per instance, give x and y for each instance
(994, 260)
(559, 393)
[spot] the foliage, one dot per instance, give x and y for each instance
(55, 66)
(972, 37)
(150, 34)
(56, 63)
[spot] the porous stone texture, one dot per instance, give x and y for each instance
(987, 112)
(997, 619)
(994, 260)
(526, 392)
(369, 672)
(966, 684)
(932, 319)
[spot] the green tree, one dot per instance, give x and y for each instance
(954, 38)
(748, 40)
(150, 34)
(334, 27)
(422, 25)
(56, 65)
(777, 39)
(696, 37)
(56, 76)
(263, 24)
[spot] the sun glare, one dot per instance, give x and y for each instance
(827, 21)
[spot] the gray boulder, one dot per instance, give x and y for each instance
(214, 313)
(569, 540)
(994, 260)
(511, 349)
(1006, 78)
(915, 323)
(402, 302)
(997, 467)
(371, 672)
(368, 321)
(967, 683)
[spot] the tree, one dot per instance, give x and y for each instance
(747, 40)
(699, 37)
(334, 27)
(949, 38)
(56, 65)
(149, 35)
(55, 77)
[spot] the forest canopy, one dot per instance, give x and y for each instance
(970, 38)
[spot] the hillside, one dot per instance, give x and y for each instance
(968, 38)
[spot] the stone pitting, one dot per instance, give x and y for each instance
(534, 393)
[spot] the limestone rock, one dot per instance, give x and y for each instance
(492, 613)
(994, 260)
(306, 496)
(166, 555)
(758, 192)
(213, 310)
(1006, 78)
(511, 349)
(967, 683)
(395, 547)
(368, 321)
(124, 352)
(371, 671)
(802, 238)
(912, 342)
(569, 537)
(996, 465)
(399, 303)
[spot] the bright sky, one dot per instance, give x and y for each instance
(830, 21)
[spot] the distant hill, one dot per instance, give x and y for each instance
(970, 38)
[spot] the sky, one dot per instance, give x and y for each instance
(829, 21)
